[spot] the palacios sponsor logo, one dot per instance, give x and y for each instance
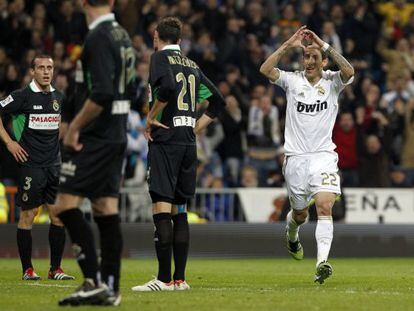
(44, 121)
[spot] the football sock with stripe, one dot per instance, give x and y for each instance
(181, 241)
(57, 239)
(24, 244)
(163, 238)
(83, 243)
(111, 249)
(324, 236)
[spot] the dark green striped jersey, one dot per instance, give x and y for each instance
(104, 74)
(35, 118)
(177, 80)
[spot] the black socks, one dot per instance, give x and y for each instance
(24, 243)
(111, 249)
(163, 238)
(57, 239)
(180, 244)
(82, 242)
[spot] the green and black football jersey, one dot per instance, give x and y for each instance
(105, 74)
(35, 118)
(177, 80)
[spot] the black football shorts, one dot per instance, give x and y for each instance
(172, 172)
(93, 172)
(37, 186)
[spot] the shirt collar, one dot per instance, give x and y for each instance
(101, 19)
(35, 88)
(174, 47)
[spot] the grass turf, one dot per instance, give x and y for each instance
(248, 284)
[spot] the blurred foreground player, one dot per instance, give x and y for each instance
(310, 167)
(35, 111)
(94, 152)
(176, 86)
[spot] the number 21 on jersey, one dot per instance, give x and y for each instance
(182, 105)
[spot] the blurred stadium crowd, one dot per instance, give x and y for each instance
(230, 40)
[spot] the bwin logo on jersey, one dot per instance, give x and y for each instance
(313, 108)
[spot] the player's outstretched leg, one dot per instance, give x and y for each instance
(91, 292)
(111, 251)
(294, 220)
(163, 238)
(181, 241)
(24, 243)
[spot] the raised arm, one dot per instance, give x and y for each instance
(268, 67)
(346, 69)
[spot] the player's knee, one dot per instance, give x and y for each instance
(26, 218)
(324, 207)
(300, 216)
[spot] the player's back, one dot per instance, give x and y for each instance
(104, 74)
(186, 86)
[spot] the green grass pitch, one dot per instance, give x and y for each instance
(243, 284)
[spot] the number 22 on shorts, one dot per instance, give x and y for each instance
(329, 179)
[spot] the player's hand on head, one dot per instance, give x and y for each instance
(313, 38)
(297, 38)
(19, 154)
(71, 139)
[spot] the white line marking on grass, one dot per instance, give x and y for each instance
(47, 285)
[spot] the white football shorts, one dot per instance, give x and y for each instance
(309, 174)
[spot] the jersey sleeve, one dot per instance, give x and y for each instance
(335, 77)
(285, 79)
(101, 68)
(161, 82)
(12, 103)
(207, 90)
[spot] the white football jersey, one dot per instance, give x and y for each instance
(311, 111)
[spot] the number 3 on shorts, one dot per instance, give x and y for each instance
(27, 184)
(329, 179)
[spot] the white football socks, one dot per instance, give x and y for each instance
(292, 227)
(324, 236)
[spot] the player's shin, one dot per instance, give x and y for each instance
(324, 236)
(57, 239)
(83, 243)
(293, 225)
(163, 238)
(111, 249)
(24, 243)
(181, 242)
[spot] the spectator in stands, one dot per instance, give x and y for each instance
(407, 156)
(249, 177)
(231, 148)
(70, 25)
(330, 36)
(263, 137)
(374, 163)
(345, 137)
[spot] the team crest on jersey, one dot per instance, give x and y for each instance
(55, 105)
(321, 90)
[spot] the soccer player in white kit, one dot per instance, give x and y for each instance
(310, 167)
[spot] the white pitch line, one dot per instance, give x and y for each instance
(47, 285)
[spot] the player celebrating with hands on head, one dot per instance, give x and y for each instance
(310, 167)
